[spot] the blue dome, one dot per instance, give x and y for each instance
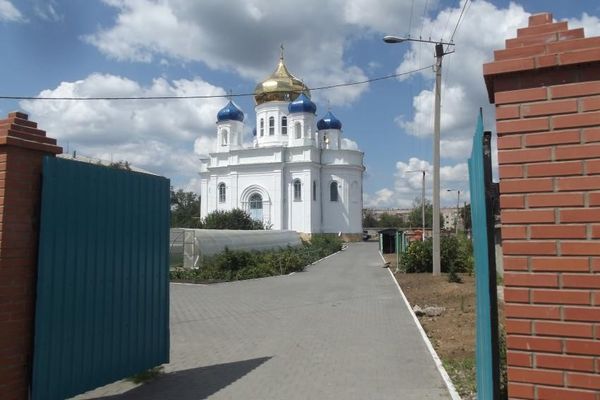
(329, 121)
(302, 104)
(230, 112)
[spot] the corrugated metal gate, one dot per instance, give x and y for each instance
(482, 217)
(102, 307)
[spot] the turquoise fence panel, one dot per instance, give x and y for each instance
(102, 307)
(482, 220)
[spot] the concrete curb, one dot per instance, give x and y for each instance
(436, 359)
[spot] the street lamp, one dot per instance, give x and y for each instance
(439, 54)
(457, 206)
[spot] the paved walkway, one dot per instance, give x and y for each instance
(339, 330)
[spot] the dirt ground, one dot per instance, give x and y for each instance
(452, 334)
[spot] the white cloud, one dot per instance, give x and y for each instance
(244, 36)
(484, 29)
(8, 12)
(349, 144)
(590, 24)
(381, 198)
(47, 10)
(162, 137)
(409, 180)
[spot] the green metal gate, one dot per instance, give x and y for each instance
(482, 220)
(102, 307)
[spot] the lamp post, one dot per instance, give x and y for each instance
(457, 207)
(439, 54)
(422, 202)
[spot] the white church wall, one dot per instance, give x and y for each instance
(315, 199)
(342, 157)
(299, 210)
(345, 214)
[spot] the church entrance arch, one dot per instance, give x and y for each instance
(256, 202)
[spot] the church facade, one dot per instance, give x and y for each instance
(296, 175)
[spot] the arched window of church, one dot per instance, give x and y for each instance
(222, 192)
(298, 130)
(297, 190)
(333, 191)
(256, 207)
(224, 134)
(262, 127)
(284, 125)
(271, 126)
(314, 190)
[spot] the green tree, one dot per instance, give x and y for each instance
(415, 219)
(120, 165)
(185, 209)
(233, 219)
(387, 220)
(465, 213)
(369, 219)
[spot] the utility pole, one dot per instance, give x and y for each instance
(423, 207)
(439, 54)
(457, 211)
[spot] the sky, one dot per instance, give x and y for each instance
(130, 48)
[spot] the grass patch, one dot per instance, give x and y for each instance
(147, 375)
(462, 373)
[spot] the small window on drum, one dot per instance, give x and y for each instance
(271, 126)
(284, 125)
(297, 190)
(333, 191)
(222, 193)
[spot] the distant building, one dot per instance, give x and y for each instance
(449, 215)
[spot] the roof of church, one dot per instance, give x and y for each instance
(281, 85)
(329, 121)
(302, 105)
(230, 112)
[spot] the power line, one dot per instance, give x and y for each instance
(213, 96)
(459, 19)
(412, 7)
(423, 17)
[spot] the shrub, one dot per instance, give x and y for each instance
(456, 256)
(233, 219)
(240, 264)
(418, 257)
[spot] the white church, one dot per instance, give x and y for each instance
(295, 175)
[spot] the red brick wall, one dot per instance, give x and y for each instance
(22, 147)
(546, 87)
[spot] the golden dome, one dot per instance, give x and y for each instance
(280, 86)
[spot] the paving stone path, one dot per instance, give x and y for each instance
(339, 330)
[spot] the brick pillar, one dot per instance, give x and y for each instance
(546, 87)
(22, 147)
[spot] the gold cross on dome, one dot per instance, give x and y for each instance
(281, 55)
